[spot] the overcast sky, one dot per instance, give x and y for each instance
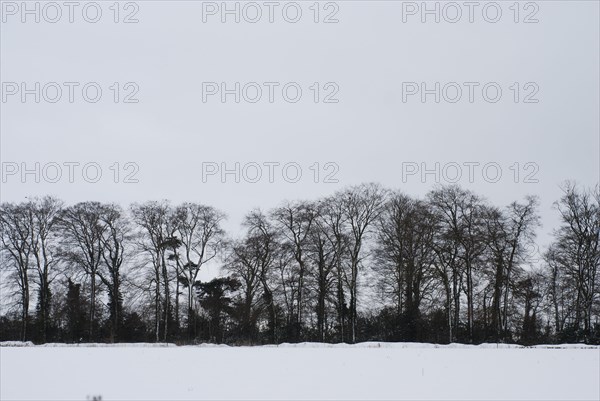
(366, 61)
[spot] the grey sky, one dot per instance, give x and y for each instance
(369, 133)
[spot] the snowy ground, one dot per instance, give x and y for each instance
(302, 371)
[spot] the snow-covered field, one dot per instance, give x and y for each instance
(379, 371)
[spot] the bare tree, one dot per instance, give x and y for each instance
(244, 267)
(406, 255)
(251, 261)
(154, 239)
(361, 206)
(44, 217)
(508, 234)
(294, 221)
(459, 247)
(332, 218)
(16, 250)
(114, 239)
(326, 245)
(82, 248)
(575, 258)
(202, 239)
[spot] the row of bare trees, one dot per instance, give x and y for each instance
(365, 263)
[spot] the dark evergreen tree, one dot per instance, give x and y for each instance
(215, 299)
(75, 328)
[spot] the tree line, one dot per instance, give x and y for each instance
(364, 264)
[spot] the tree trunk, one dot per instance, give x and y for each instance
(92, 306)
(157, 303)
(167, 297)
(25, 311)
